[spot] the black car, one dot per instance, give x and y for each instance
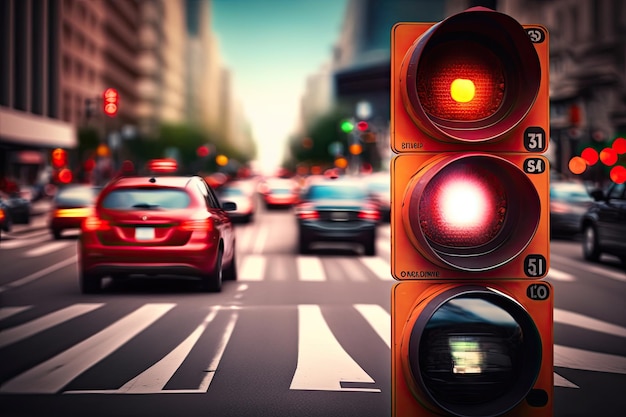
(16, 209)
(604, 224)
(337, 210)
(569, 201)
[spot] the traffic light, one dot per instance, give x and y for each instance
(58, 158)
(471, 319)
(110, 102)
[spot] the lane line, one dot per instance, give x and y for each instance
(252, 268)
(586, 322)
(569, 357)
(45, 249)
(259, 242)
(36, 275)
(10, 311)
(322, 362)
(378, 266)
(618, 276)
(310, 268)
(378, 318)
(17, 333)
(559, 381)
(559, 275)
(52, 375)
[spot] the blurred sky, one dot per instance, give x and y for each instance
(271, 46)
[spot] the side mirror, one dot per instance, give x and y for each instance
(597, 194)
(229, 206)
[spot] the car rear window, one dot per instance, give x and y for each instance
(336, 192)
(139, 199)
(76, 195)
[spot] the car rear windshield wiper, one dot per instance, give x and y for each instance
(146, 206)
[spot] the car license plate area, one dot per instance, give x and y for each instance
(144, 233)
(339, 216)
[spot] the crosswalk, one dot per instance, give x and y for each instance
(322, 362)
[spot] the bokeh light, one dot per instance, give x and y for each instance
(590, 155)
(619, 145)
(608, 156)
(618, 174)
(577, 165)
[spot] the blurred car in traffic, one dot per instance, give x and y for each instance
(337, 210)
(379, 188)
(279, 192)
(158, 225)
(568, 203)
(604, 224)
(70, 206)
(3, 223)
(244, 197)
(17, 209)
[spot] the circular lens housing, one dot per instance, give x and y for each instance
(471, 78)
(473, 351)
(472, 212)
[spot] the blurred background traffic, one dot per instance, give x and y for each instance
(87, 86)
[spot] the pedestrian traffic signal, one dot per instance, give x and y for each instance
(472, 322)
(110, 102)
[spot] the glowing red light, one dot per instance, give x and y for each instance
(65, 176)
(362, 126)
(608, 156)
(110, 101)
(577, 165)
(463, 206)
(619, 145)
(202, 151)
(590, 155)
(467, 61)
(165, 165)
(618, 174)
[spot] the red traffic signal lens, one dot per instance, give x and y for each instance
(471, 78)
(470, 212)
(472, 351)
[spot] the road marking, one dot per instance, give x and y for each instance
(17, 243)
(45, 249)
(378, 318)
(310, 268)
(52, 375)
(322, 363)
(378, 266)
(154, 379)
(589, 323)
(259, 242)
(559, 381)
(558, 275)
(569, 357)
(619, 276)
(252, 268)
(10, 311)
(36, 275)
(17, 333)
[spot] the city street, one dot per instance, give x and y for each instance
(295, 335)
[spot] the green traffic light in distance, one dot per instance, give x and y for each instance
(347, 126)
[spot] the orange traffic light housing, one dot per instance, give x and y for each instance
(472, 350)
(471, 319)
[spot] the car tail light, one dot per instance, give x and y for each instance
(73, 212)
(369, 213)
(95, 224)
(197, 225)
(307, 212)
(1, 214)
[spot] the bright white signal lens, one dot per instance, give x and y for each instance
(462, 90)
(463, 205)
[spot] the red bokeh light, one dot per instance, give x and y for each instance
(608, 156)
(577, 165)
(618, 174)
(619, 145)
(590, 155)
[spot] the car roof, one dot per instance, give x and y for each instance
(165, 181)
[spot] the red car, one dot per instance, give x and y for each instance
(157, 225)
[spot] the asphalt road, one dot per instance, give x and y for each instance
(295, 335)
